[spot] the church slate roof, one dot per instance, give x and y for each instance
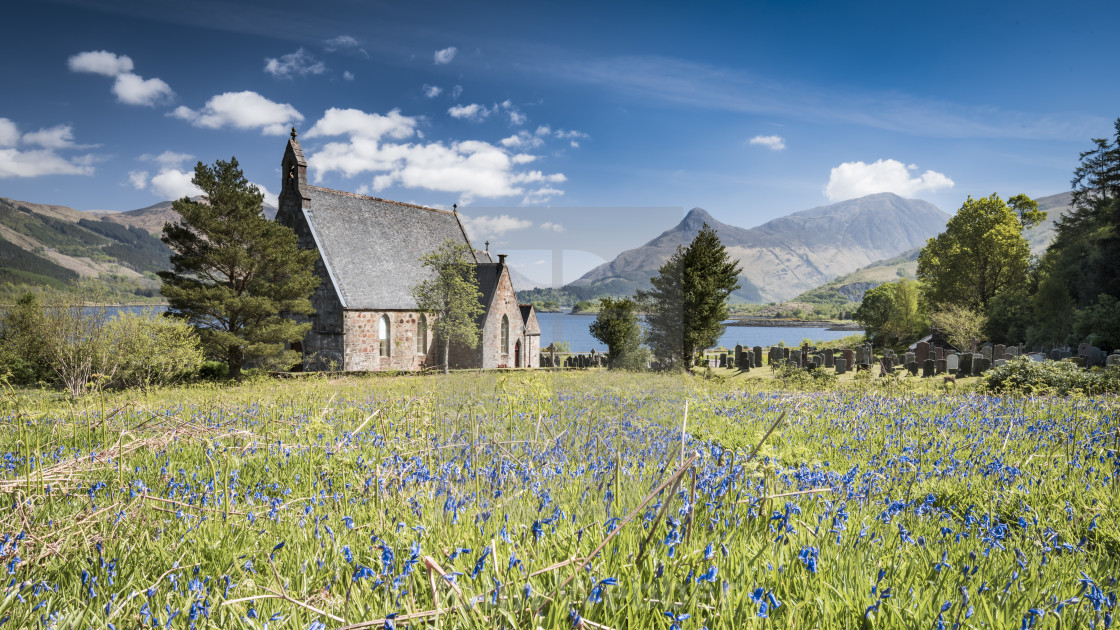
(372, 247)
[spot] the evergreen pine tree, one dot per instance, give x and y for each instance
(234, 272)
(687, 303)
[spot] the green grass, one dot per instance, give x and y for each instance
(150, 497)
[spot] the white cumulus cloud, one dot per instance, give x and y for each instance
(17, 162)
(58, 137)
(241, 110)
(132, 89)
(129, 88)
(100, 62)
(555, 227)
(432, 91)
(774, 143)
(445, 55)
(473, 112)
(172, 183)
(299, 63)
(484, 227)
(857, 179)
(470, 168)
(138, 179)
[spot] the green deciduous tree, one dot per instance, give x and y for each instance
(451, 297)
(959, 324)
(23, 354)
(892, 313)
(687, 303)
(981, 252)
(234, 272)
(618, 327)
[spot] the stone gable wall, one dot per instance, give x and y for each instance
(363, 347)
(505, 303)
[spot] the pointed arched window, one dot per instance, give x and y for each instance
(383, 335)
(505, 335)
(422, 335)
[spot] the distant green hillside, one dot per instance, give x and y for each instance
(62, 248)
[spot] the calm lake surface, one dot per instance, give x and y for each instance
(575, 329)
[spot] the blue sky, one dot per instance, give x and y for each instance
(750, 110)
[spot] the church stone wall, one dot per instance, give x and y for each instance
(363, 347)
(505, 303)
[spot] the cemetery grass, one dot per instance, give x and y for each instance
(529, 500)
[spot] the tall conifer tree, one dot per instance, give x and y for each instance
(687, 303)
(234, 272)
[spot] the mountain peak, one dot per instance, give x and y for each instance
(696, 218)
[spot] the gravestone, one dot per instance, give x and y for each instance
(1055, 355)
(1013, 351)
(928, 368)
(849, 357)
(841, 366)
(829, 358)
(939, 354)
(964, 365)
(1113, 360)
(972, 345)
(999, 362)
(998, 350)
(951, 362)
(986, 352)
(941, 366)
(912, 367)
(795, 357)
(1037, 357)
(911, 357)
(785, 354)
(818, 361)
(738, 354)
(921, 352)
(980, 364)
(758, 356)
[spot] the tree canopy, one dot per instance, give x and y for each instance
(891, 313)
(618, 327)
(981, 252)
(234, 272)
(687, 303)
(451, 296)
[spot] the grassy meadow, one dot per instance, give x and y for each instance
(550, 499)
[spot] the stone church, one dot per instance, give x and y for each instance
(369, 259)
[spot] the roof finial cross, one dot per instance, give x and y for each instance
(487, 245)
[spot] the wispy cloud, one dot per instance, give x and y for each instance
(299, 63)
(774, 143)
(445, 56)
(707, 86)
(17, 161)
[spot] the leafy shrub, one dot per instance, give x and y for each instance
(1024, 376)
(213, 370)
(153, 350)
(801, 378)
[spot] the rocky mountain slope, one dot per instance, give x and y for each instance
(789, 255)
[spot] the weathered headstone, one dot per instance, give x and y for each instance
(829, 358)
(939, 354)
(795, 357)
(912, 367)
(999, 362)
(1113, 360)
(849, 357)
(980, 364)
(758, 356)
(928, 367)
(921, 352)
(951, 363)
(841, 366)
(998, 350)
(942, 366)
(986, 352)
(964, 366)
(911, 357)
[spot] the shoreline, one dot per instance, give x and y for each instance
(767, 322)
